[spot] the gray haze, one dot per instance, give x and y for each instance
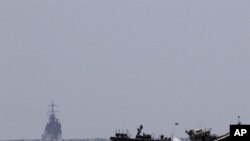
(118, 64)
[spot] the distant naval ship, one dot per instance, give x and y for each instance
(52, 131)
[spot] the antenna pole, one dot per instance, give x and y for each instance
(52, 107)
(239, 122)
(175, 124)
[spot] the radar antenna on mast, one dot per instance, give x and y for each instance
(52, 105)
(52, 111)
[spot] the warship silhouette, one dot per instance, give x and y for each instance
(144, 137)
(53, 131)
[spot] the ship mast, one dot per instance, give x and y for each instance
(239, 121)
(52, 111)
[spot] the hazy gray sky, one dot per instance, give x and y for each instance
(113, 64)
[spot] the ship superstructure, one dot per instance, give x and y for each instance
(201, 135)
(205, 135)
(53, 129)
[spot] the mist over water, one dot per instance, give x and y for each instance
(118, 64)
